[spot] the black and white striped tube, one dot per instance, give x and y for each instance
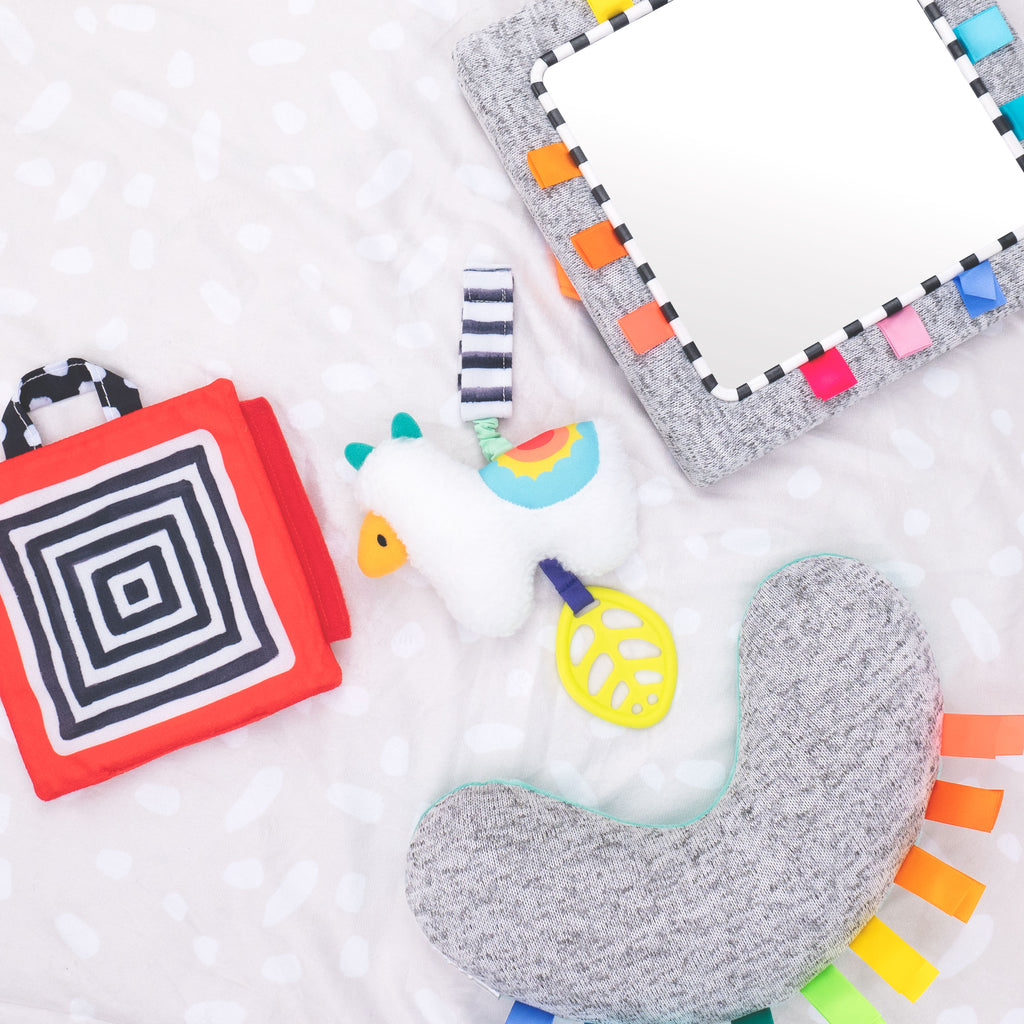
(485, 349)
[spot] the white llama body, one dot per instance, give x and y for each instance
(481, 551)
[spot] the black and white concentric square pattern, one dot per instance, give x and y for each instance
(135, 594)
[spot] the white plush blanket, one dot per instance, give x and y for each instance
(284, 192)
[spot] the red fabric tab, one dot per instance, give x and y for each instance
(829, 375)
(965, 806)
(646, 328)
(302, 523)
(986, 736)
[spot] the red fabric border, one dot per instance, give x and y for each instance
(216, 409)
(303, 526)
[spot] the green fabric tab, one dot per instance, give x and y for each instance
(757, 1017)
(838, 1001)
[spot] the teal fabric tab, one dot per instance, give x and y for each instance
(985, 33)
(758, 1017)
(1014, 113)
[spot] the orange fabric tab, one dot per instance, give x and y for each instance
(940, 884)
(565, 286)
(551, 165)
(982, 735)
(598, 245)
(966, 806)
(645, 328)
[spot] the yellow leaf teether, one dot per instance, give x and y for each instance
(617, 659)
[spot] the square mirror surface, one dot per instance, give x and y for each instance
(787, 167)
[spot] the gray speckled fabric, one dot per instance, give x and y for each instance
(709, 438)
(595, 919)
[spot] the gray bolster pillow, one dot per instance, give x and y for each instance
(597, 919)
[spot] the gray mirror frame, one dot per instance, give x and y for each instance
(709, 438)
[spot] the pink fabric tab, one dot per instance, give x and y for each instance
(905, 332)
(829, 375)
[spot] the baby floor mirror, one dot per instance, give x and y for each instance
(769, 209)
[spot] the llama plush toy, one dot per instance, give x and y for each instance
(564, 501)
(478, 536)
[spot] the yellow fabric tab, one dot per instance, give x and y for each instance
(898, 963)
(605, 9)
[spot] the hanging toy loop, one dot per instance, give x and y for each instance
(615, 656)
(492, 444)
(485, 354)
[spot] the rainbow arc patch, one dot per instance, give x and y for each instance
(547, 469)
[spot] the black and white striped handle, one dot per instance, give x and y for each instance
(485, 348)
(54, 383)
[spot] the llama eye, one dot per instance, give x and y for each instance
(382, 540)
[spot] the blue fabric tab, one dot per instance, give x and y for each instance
(569, 588)
(980, 290)
(1014, 113)
(985, 33)
(523, 1014)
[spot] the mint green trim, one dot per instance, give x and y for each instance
(492, 444)
(736, 748)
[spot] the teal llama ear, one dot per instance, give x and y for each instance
(403, 425)
(356, 454)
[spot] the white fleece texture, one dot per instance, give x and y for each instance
(480, 552)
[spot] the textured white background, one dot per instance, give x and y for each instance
(285, 192)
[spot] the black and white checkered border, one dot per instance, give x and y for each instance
(647, 275)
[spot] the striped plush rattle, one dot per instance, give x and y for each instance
(564, 500)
